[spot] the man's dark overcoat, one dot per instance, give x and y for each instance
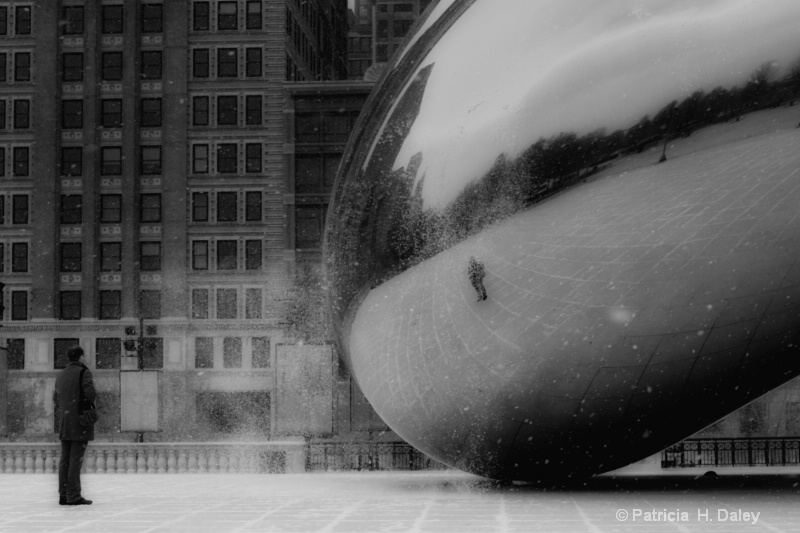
(66, 399)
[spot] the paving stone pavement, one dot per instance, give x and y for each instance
(365, 502)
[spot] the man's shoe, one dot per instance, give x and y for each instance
(62, 501)
(80, 501)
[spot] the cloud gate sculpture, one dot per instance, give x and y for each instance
(623, 180)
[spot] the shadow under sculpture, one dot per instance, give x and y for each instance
(630, 303)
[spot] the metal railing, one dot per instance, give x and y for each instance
(367, 456)
(733, 452)
(166, 458)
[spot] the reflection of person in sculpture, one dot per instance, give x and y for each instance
(476, 273)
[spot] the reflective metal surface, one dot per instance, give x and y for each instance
(626, 174)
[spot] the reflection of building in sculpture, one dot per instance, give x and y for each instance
(142, 181)
(392, 19)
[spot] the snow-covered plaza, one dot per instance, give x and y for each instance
(434, 501)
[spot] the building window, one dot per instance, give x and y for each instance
(226, 255)
(150, 302)
(383, 28)
(19, 207)
(232, 352)
(308, 128)
(227, 16)
(253, 63)
(60, 348)
(3, 20)
(111, 66)
(72, 20)
(16, 354)
(200, 63)
(152, 18)
(110, 256)
(226, 158)
(112, 19)
(153, 352)
(2, 161)
(22, 114)
(107, 353)
(72, 161)
(253, 255)
(70, 305)
(151, 113)
(226, 303)
(73, 66)
(201, 18)
(227, 63)
(150, 160)
(199, 255)
(309, 220)
(72, 114)
(22, 25)
(204, 352)
(71, 257)
(336, 127)
(19, 305)
(110, 208)
(200, 159)
(226, 207)
(315, 173)
(252, 303)
(232, 413)
(21, 156)
(150, 208)
(252, 154)
(200, 111)
(254, 19)
(253, 110)
(150, 256)
(111, 113)
(200, 303)
(71, 209)
(200, 207)
(401, 27)
(227, 110)
(111, 161)
(22, 66)
(151, 65)
(260, 352)
(110, 308)
(19, 257)
(253, 206)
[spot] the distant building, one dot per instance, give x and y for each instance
(151, 203)
(393, 19)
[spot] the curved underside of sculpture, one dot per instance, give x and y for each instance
(627, 179)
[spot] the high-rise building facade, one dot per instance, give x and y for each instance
(377, 28)
(145, 208)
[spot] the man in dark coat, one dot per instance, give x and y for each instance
(74, 436)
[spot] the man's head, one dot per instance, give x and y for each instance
(75, 354)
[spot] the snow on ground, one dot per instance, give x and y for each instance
(442, 501)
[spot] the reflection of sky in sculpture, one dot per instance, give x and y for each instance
(592, 65)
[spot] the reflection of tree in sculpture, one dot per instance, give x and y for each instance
(550, 165)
